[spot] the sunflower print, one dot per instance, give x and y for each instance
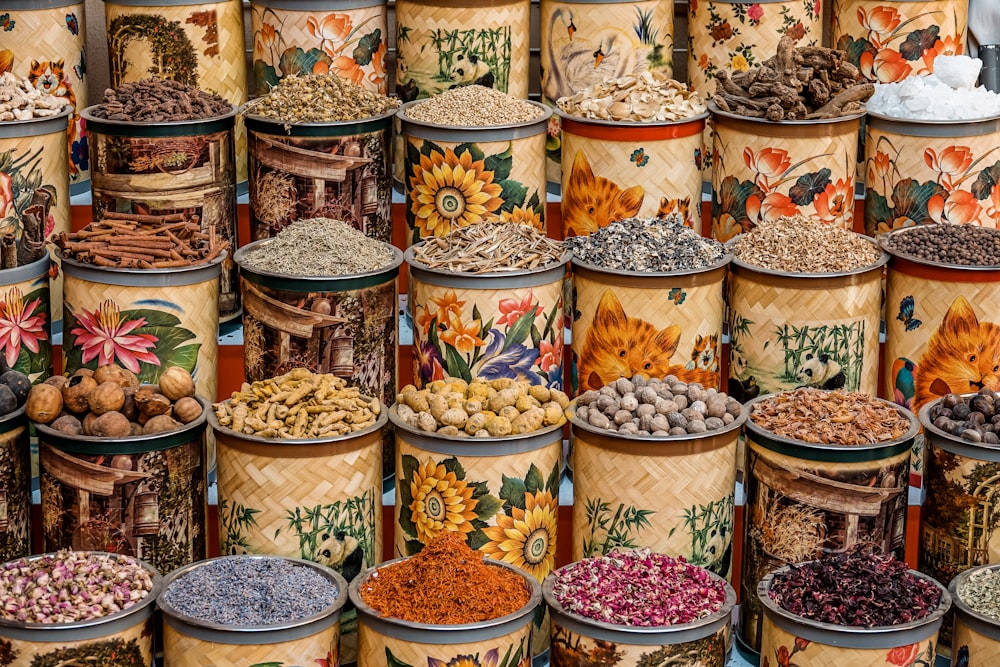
(526, 538)
(449, 191)
(440, 502)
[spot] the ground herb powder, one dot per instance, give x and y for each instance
(319, 247)
(447, 583)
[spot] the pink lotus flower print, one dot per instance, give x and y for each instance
(106, 335)
(20, 324)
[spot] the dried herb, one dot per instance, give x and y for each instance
(156, 100)
(491, 246)
(856, 589)
(647, 245)
(447, 583)
(800, 244)
(319, 247)
(829, 417)
(981, 591)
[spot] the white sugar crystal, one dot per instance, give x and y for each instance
(948, 94)
(957, 71)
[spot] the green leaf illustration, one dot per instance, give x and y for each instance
(500, 164)
(513, 194)
(533, 481)
(918, 41)
(512, 491)
(552, 483)
(488, 506)
(454, 465)
(474, 150)
(477, 539)
(393, 661)
(521, 329)
(367, 46)
(413, 547)
(455, 364)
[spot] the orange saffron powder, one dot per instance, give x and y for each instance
(445, 584)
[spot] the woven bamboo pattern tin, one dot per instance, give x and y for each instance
(685, 310)
(15, 479)
(183, 650)
(925, 172)
(44, 42)
(203, 47)
(26, 290)
(757, 163)
(671, 494)
(975, 639)
(346, 37)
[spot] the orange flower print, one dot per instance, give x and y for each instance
(522, 215)
(879, 22)
(346, 68)
(953, 161)
(994, 210)
(769, 164)
(726, 227)
(783, 656)
(703, 61)
(835, 205)
(887, 66)
(448, 306)
(903, 656)
(960, 208)
(950, 45)
(377, 76)
(772, 207)
(550, 354)
(266, 38)
(463, 337)
(334, 28)
(511, 310)
(881, 167)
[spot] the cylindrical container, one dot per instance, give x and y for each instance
(957, 530)
(919, 172)
(197, 43)
(811, 643)
(45, 43)
(468, 325)
(789, 330)
(584, 42)
(673, 494)
(975, 638)
(455, 176)
(33, 151)
(890, 40)
(346, 37)
(318, 499)
(25, 308)
(804, 499)
(650, 169)
(684, 329)
(144, 496)
(760, 166)
(284, 326)
(192, 642)
(126, 634)
(15, 487)
(574, 635)
(507, 490)
(505, 641)
(933, 310)
(174, 167)
(336, 170)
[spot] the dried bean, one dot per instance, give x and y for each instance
(647, 245)
(829, 417)
(800, 244)
(319, 247)
(473, 106)
(319, 98)
(144, 102)
(965, 245)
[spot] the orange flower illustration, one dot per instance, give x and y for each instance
(768, 164)
(332, 29)
(879, 22)
(961, 207)
(772, 207)
(266, 38)
(881, 167)
(463, 337)
(903, 656)
(448, 307)
(835, 205)
(441, 502)
(450, 190)
(523, 215)
(345, 67)
(994, 210)
(953, 161)
(526, 538)
(887, 66)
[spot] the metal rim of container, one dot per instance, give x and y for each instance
(655, 635)
(576, 422)
(515, 279)
(852, 637)
(933, 127)
(32, 5)
(36, 127)
(472, 446)
(166, 128)
(714, 109)
(92, 628)
(885, 240)
(819, 451)
(727, 257)
(432, 633)
(253, 634)
(294, 283)
(953, 443)
(91, 444)
(19, 274)
(877, 264)
(230, 434)
(276, 127)
(502, 132)
(703, 116)
(310, 5)
(174, 277)
(977, 621)
(13, 420)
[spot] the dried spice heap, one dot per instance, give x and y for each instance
(489, 247)
(981, 591)
(158, 100)
(640, 98)
(801, 244)
(829, 417)
(319, 98)
(647, 245)
(855, 589)
(20, 100)
(71, 586)
(805, 83)
(973, 418)
(135, 241)
(319, 247)
(445, 584)
(965, 245)
(639, 588)
(473, 106)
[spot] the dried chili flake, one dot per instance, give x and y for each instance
(447, 583)
(830, 417)
(857, 589)
(639, 588)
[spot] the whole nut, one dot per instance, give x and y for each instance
(44, 403)
(187, 409)
(76, 393)
(160, 424)
(106, 397)
(150, 402)
(111, 425)
(176, 383)
(68, 424)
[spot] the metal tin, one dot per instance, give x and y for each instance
(15, 483)
(26, 290)
(976, 637)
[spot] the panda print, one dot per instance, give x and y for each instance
(468, 69)
(342, 553)
(820, 371)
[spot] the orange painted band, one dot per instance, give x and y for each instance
(633, 131)
(944, 274)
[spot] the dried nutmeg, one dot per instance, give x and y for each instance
(114, 373)
(106, 397)
(111, 425)
(176, 383)
(150, 402)
(187, 409)
(160, 424)
(76, 393)
(68, 424)
(44, 404)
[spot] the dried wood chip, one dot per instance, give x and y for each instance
(830, 417)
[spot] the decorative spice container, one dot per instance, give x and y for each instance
(840, 482)
(584, 42)
(807, 314)
(196, 43)
(164, 168)
(346, 37)
(116, 630)
(34, 151)
(299, 494)
(671, 290)
(46, 40)
(463, 167)
(24, 295)
(475, 607)
(653, 605)
(141, 495)
(659, 472)
(976, 636)
(941, 284)
(860, 640)
(15, 486)
(266, 609)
